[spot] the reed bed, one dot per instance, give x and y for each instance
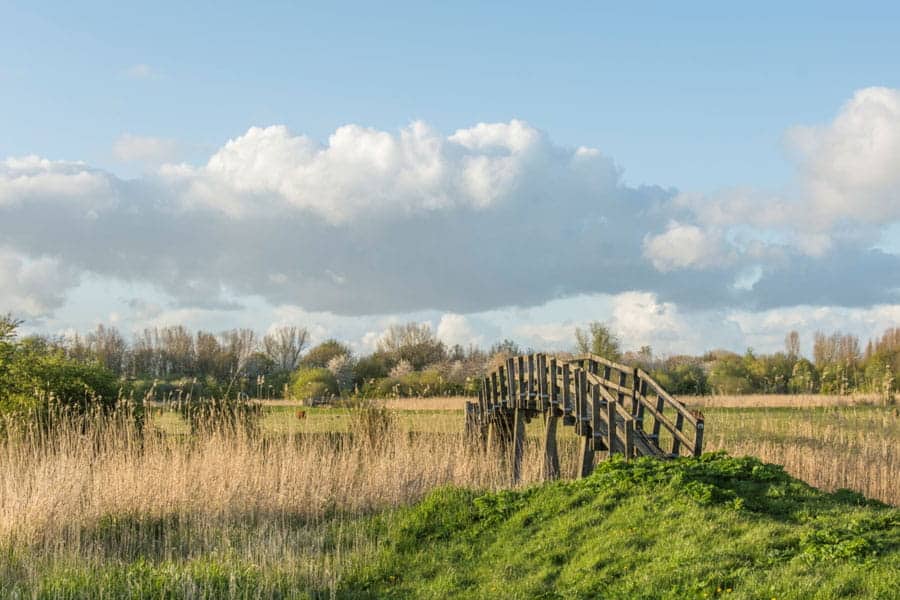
(784, 400)
(855, 447)
(102, 491)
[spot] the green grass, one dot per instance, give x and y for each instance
(693, 528)
(708, 527)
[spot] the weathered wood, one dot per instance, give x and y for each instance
(530, 388)
(520, 392)
(551, 380)
(585, 463)
(635, 390)
(657, 415)
(543, 402)
(623, 391)
(698, 438)
(641, 393)
(611, 427)
(497, 386)
(567, 396)
(551, 452)
(587, 392)
(518, 445)
(583, 414)
(660, 420)
(676, 442)
(579, 397)
(678, 406)
(629, 440)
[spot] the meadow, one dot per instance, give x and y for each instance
(320, 504)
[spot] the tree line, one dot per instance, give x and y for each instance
(409, 360)
(838, 365)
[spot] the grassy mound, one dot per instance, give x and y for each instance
(707, 527)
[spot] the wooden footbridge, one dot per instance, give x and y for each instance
(614, 409)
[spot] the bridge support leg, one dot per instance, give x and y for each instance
(498, 435)
(585, 456)
(551, 454)
(518, 444)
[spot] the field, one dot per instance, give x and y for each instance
(322, 505)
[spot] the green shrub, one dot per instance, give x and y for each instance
(313, 384)
(417, 384)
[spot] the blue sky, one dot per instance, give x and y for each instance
(721, 110)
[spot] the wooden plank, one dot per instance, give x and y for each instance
(678, 406)
(551, 452)
(657, 415)
(635, 390)
(566, 391)
(518, 444)
(511, 382)
(601, 360)
(482, 397)
(576, 375)
(530, 401)
(629, 440)
(641, 393)
(583, 414)
(554, 387)
(621, 393)
(698, 438)
(608, 384)
(543, 403)
(659, 419)
(611, 427)
(585, 457)
(676, 442)
(497, 386)
(595, 411)
(520, 391)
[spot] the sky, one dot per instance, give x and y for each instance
(696, 177)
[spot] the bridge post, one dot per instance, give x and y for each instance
(551, 453)
(679, 426)
(611, 428)
(518, 444)
(586, 446)
(698, 438)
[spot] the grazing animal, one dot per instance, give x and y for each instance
(301, 414)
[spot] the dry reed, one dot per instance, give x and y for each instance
(782, 400)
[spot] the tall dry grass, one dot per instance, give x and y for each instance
(783, 400)
(100, 489)
(856, 448)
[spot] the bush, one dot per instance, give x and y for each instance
(314, 384)
(419, 384)
(36, 379)
(318, 357)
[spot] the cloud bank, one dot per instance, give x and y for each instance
(495, 215)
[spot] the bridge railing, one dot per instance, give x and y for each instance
(614, 408)
(648, 398)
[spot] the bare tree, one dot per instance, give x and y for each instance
(792, 344)
(210, 359)
(239, 344)
(285, 345)
(108, 347)
(177, 346)
(414, 343)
